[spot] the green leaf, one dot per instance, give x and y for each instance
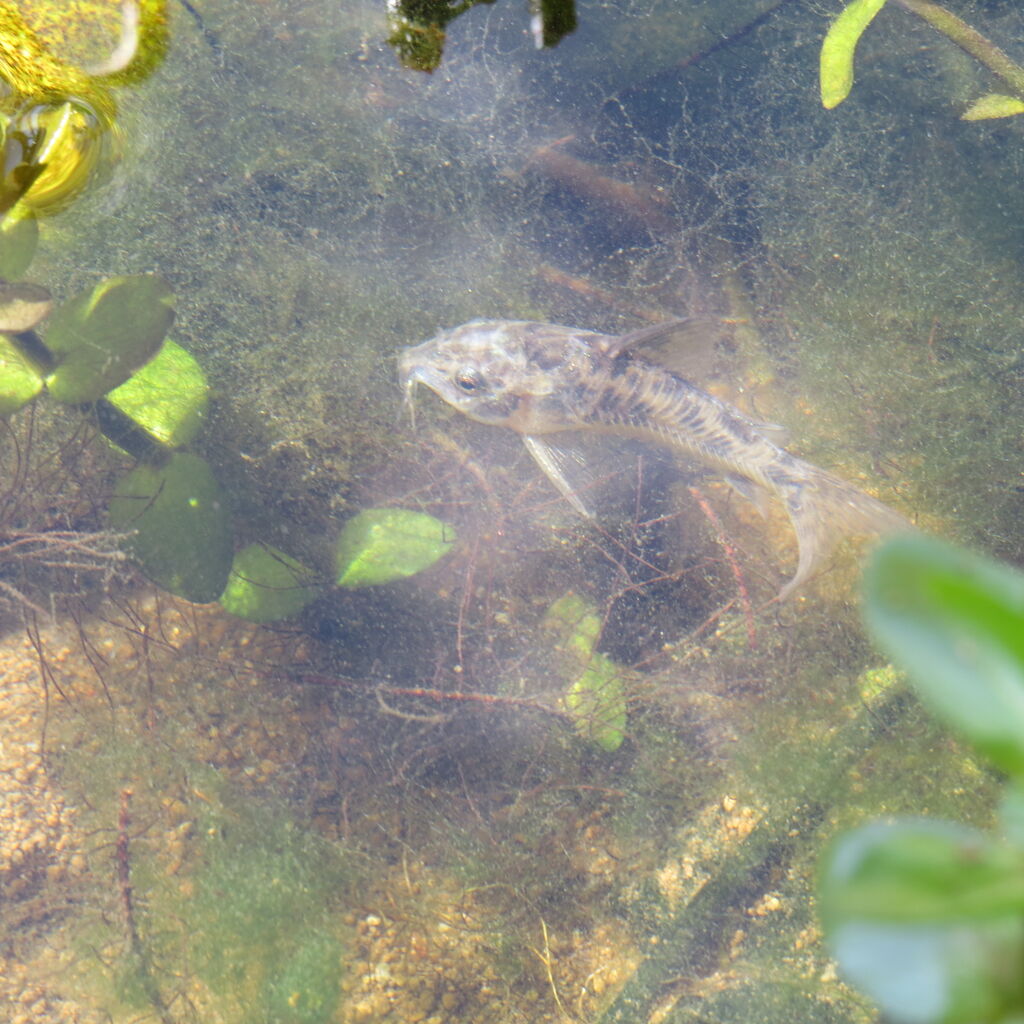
(922, 871)
(955, 621)
(385, 544)
(20, 382)
(837, 49)
(925, 917)
(576, 621)
(181, 523)
(168, 397)
(266, 584)
(597, 703)
(106, 334)
(22, 306)
(993, 105)
(19, 234)
(596, 700)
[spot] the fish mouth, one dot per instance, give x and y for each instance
(412, 370)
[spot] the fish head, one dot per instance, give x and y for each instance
(487, 369)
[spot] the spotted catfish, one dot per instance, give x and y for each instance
(544, 381)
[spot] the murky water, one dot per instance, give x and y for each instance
(401, 803)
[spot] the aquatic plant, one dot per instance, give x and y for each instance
(837, 54)
(58, 120)
(927, 916)
(418, 26)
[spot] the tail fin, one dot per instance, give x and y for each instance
(824, 510)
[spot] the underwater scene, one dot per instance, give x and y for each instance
(511, 511)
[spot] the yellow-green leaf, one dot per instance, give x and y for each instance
(168, 397)
(19, 234)
(992, 105)
(597, 703)
(385, 544)
(20, 382)
(266, 584)
(105, 334)
(837, 49)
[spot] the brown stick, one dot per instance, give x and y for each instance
(124, 881)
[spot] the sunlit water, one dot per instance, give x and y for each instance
(388, 808)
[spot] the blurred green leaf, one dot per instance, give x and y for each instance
(385, 544)
(1011, 814)
(596, 699)
(597, 703)
(925, 917)
(104, 335)
(576, 621)
(956, 622)
(993, 105)
(181, 525)
(168, 397)
(922, 871)
(19, 234)
(20, 381)
(837, 49)
(266, 584)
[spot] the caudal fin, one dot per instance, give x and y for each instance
(824, 510)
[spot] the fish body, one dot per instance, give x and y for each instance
(544, 381)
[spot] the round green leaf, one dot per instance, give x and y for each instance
(20, 382)
(925, 917)
(181, 523)
(385, 544)
(168, 397)
(19, 234)
(106, 334)
(837, 49)
(955, 621)
(266, 584)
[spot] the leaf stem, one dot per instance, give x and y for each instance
(969, 40)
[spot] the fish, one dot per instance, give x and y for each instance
(550, 383)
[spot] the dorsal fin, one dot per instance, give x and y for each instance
(685, 346)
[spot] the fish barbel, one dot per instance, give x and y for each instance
(544, 380)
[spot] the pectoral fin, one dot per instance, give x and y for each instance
(556, 461)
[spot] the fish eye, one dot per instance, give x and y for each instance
(468, 380)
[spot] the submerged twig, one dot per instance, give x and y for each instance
(124, 881)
